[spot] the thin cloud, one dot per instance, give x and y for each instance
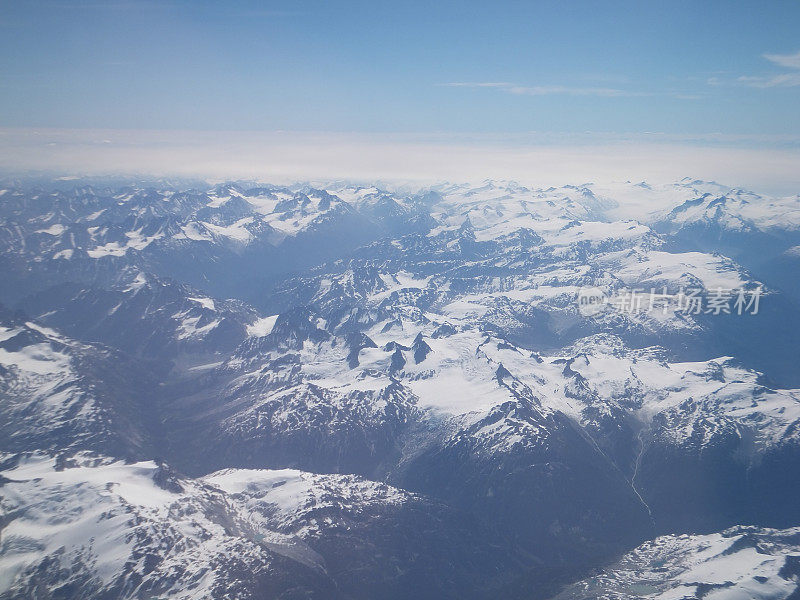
(606, 78)
(783, 80)
(682, 96)
(121, 5)
(268, 14)
(790, 61)
(790, 79)
(478, 84)
(545, 90)
(564, 90)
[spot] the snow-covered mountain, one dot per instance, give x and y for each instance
(62, 395)
(740, 562)
(90, 526)
(350, 391)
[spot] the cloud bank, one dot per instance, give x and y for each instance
(284, 157)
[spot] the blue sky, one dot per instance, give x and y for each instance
(683, 68)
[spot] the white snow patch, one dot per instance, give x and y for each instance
(262, 326)
(204, 302)
(56, 229)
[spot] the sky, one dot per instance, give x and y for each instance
(565, 73)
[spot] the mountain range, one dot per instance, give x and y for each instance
(331, 390)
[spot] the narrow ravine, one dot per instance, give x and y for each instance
(636, 464)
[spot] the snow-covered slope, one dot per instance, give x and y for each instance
(741, 562)
(88, 526)
(147, 316)
(59, 394)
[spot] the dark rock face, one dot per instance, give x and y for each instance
(521, 488)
